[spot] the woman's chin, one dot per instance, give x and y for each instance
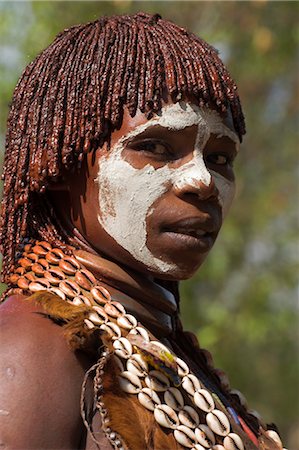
(178, 272)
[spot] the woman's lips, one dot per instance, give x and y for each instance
(194, 226)
(193, 232)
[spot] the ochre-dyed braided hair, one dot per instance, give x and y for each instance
(71, 97)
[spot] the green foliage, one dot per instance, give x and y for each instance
(243, 303)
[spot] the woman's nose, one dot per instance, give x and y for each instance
(197, 187)
(195, 178)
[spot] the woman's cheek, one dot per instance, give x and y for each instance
(226, 189)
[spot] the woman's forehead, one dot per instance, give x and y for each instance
(177, 116)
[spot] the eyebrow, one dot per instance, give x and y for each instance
(139, 130)
(228, 137)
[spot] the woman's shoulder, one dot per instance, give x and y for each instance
(26, 328)
(41, 379)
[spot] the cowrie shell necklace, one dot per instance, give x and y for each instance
(178, 408)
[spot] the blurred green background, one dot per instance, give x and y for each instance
(243, 304)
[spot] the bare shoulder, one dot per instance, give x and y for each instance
(40, 381)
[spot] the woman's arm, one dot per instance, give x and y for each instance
(40, 381)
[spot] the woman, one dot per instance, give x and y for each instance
(118, 175)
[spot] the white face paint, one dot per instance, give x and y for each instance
(126, 194)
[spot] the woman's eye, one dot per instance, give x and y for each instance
(151, 146)
(219, 159)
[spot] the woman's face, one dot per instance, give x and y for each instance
(156, 200)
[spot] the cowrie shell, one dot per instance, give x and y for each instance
(198, 447)
(141, 332)
(137, 365)
(54, 276)
(189, 417)
(101, 313)
(85, 279)
(129, 383)
(166, 416)
(41, 285)
(123, 348)
(89, 324)
(68, 265)
(218, 422)
(70, 288)
(114, 309)
(30, 276)
(233, 442)
(273, 435)
(23, 283)
(204, 436)
(81, 300)
(190, 383)
(94, 318)
(148, 398)
(157, 381)
(100, 294)
(57, 292)
(37, 269)
(127, 322)
(112, 329)
(40, 250)
(44, 244)
(204, 400)
(174, 398)
(14, 278)
(118, 363)
(184, 436)
(183, 369)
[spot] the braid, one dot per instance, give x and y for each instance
(72, 96)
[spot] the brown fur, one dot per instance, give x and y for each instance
(71, 318)
(130, 419)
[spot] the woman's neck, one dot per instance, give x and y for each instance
(154, 305)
